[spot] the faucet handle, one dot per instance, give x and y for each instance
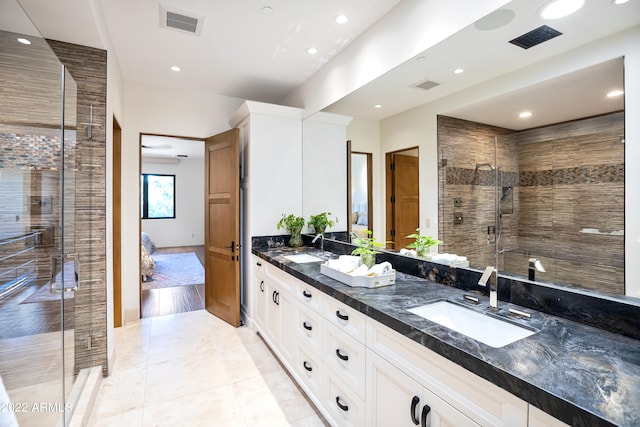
(486, 275)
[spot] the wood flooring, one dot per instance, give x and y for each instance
(178, 299)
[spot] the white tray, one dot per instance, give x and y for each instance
(359, 281)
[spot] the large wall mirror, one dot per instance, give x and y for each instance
(558, 177)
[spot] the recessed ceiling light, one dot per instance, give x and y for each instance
(617, 2)
(458, 71)
(525, 114)
(175, 68)
(342, 19)
(557, 9)
(312, 51)
(615, 93)
(377, 106)
(421, 58)
(24, 41)
(267, 10)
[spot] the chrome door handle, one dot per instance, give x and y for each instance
(54, 260)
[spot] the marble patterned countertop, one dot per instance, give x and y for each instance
(579, 374)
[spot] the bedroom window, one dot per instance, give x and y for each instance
(158, 196)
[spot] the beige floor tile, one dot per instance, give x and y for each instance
(177, 378)
(289, 397)
(312, 421)
(131, 418)
(122, 391)
(215, 407)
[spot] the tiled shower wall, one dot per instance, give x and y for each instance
(568, 199)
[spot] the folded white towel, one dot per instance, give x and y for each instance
(360, 271)
(408, 252)
(344, 263)
(380, 269)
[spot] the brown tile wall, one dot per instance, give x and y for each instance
(567, 179)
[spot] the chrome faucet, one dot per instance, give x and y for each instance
(321, 237)
(490, 275)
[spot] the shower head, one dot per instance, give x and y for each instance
(481, 165)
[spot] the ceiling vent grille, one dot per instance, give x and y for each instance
(426, 84)
(180, 20)
(535, 37)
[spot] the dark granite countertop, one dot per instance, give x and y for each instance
(579, 374)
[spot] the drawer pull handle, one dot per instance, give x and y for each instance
(414, 405)
(341, 316)
(306, 294)
(307, 326)
(345, 408)
(259, 264)
(306, 366)
(341, 356)
(425, 411)
(262, 286)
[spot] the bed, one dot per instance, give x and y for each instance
(147, 266)
(359, 219)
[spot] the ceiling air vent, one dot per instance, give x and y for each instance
(180, 20)
(535, 37)
(426, 84)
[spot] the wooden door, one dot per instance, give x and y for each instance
(403, 203)
(222, 226)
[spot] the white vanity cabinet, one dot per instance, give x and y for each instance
(395, 399)
(359, 372)
(444, 383)
(279, 313)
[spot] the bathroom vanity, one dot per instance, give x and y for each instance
(365, 360)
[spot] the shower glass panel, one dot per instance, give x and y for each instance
(39, 255)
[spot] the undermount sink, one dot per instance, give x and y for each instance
(302, 258)
(493, 331)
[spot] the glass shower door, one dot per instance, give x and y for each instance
(38, 248)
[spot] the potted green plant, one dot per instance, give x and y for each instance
(321, 221)
(366, 249)
(294, 224)
(422, 243)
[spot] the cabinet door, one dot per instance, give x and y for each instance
(287, 331)
(272, 323)
(395, 399)
(260, 298)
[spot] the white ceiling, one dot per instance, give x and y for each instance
(487, 54)
(245, 53)
(166, 147)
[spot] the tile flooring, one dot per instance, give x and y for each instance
(192, 369)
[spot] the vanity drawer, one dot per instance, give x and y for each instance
(345, 356)
(346, 319)
(347, 409)
(309, 327)
(312, 372)
(310, 296)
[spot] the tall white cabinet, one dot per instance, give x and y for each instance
(289, 164)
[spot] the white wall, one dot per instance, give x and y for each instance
(164, 111)
(417, 127)
(187, 228)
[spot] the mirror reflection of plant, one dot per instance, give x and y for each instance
(367, 249)
(294, 224)
(321, 221)
(422, 243)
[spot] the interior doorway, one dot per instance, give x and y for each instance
(171, 224)
(116, 255)
(403, 196)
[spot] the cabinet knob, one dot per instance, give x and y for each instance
(425, 411)
(340, 405)
(414, 405)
